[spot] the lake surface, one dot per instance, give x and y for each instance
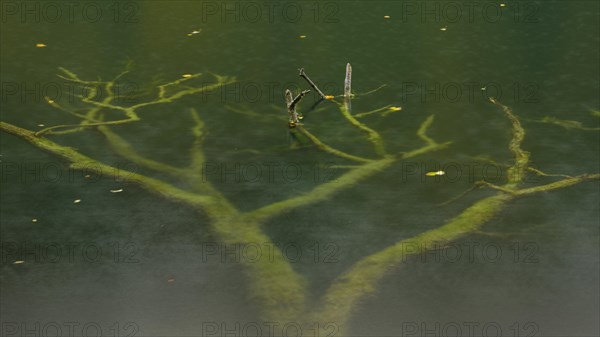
(132, 263)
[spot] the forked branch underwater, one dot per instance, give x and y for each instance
(280, 289)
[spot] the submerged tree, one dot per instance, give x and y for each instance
(281, 291)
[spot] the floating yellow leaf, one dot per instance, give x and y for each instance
(34, 220)
(303, 36)
(19, 262)
(435, 173)
(443, 29)
(116, 191)
(40, 45)
(502, 5)
(329, 96)
(386, 16)
(186, 75)
(395, 108)
(76, 201)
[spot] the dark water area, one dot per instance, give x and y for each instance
(107, 254)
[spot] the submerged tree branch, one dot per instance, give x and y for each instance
(281, 290)
(81, 162)
(343, 296)
(515, 173)
(327, 148)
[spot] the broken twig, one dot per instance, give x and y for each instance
(291, 105)
(348, 81)
(312, 84)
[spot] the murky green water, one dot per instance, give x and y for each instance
(132, 257)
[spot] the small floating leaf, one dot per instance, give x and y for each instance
(76, 201)
(186, 75)
(34, 220)
(329, 97)
(386, 16)
(19, 262)
(116, 191)
(435, 173)
(40, 45)
(303, 36)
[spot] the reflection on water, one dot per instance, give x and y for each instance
(134, 263)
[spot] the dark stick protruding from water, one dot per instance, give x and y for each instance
(348, 81)
(297, 99)
(312, 84)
